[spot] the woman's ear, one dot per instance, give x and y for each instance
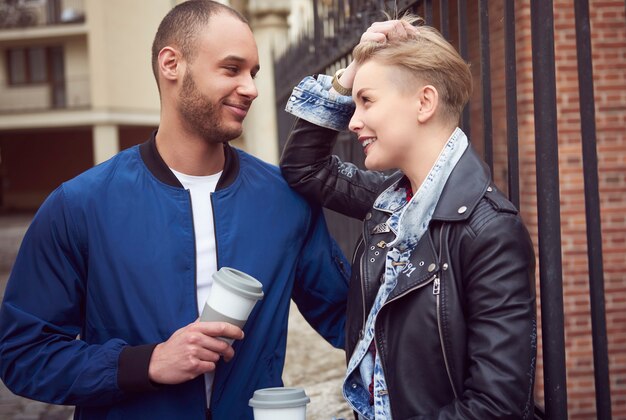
(428, 102)
(170, 64)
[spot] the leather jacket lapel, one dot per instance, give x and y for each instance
(465, 187)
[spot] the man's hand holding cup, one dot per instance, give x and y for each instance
(192, 351)
(195, 349)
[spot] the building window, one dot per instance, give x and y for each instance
(28, 65)
(17, 66)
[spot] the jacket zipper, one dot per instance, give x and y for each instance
(195, 279)
(436, 292)
(195, 252)
(362, 332)
(436, 289)
(434, 279)
(217, 265)
(217, 259)
(427, 282)
(356, 249)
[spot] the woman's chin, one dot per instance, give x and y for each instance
(373, 164)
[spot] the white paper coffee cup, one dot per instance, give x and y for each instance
(232, 298)
(279, 404)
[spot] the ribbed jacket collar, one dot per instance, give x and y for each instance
(155, 163)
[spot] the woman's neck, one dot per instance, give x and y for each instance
(423, 156)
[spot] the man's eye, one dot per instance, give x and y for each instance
(232, 69)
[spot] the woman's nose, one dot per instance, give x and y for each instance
(355, 124)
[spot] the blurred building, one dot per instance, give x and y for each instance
(76, 86)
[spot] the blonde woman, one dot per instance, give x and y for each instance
(441, 312)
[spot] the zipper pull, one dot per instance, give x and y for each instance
(436, 286)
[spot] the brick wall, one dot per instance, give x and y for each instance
(608, 26)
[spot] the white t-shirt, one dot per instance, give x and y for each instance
(201, 188)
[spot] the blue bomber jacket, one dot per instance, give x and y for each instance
(107, 270)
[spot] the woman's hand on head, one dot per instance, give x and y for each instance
(388, 30)
(380, 32)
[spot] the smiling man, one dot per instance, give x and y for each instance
(102, 304)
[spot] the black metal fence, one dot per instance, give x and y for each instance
(337, 27)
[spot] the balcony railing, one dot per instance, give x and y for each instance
(32, 13)
(72, 93)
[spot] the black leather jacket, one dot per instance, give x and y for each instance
(457, 336)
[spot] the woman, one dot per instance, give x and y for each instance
(441, 312)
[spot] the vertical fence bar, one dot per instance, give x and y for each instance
(464, 51)
(383, 7)
(510, 70)
(485, 75)
(317, 30)
(414, 8)
(592, 210)
(428, 12)
(341, 15)
(444, 19)
(548, 206)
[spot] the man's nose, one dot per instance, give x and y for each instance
(249, 89)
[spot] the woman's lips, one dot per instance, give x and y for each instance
(366, 142)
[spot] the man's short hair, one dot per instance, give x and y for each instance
(181, 26)
(429, 58)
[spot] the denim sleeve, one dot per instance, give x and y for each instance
(313, 101)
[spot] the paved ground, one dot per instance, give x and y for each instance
(316, 366)
(12, 229)
(311, 362)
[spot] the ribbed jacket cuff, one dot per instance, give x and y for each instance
(132, 374)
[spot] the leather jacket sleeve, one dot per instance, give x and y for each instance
(310, 168)
(498, 284)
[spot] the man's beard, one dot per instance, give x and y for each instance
(201, 116)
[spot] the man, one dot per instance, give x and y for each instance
(122, 255)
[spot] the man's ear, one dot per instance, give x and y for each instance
(428, 103)
(170, 64)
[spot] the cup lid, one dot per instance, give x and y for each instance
(239, 282)
(279, 398)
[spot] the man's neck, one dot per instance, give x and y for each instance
(188, 153)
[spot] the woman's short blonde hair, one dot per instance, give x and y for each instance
(430, 59)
